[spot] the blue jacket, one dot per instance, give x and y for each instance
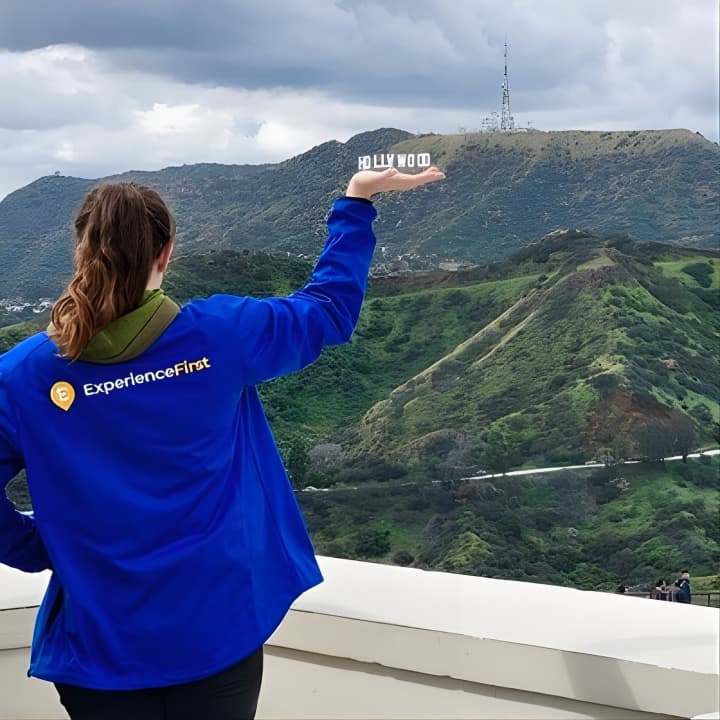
(683, 594)
(160, 500)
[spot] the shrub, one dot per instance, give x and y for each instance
(403, 557)
(701, 272)
(372, 541)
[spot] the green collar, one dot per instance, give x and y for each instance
(133, 333)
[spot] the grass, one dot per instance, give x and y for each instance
(534, 363)
(397, 337)
(577, 143)
(674, 269)
(11, 335)
(598, 262)
(707, 583)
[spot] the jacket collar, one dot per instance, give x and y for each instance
(129, 336)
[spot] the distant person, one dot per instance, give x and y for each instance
(621, 589)
(661, 591)
(683, 593)
(161, 504)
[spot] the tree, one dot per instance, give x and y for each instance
(620, 447)
(372, 541)
(683, 431)
(701, 272)
(655, 440)
(403, 557)
(466, 554)
(499, 450)
(606, 457)
(297, 464)
(617, 450)
(325, 455)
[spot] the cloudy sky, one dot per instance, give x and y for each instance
(92, 87)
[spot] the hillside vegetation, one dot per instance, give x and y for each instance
(563, 350)
(576, 347)
(502, 191)
(606, 340)
(588, 529)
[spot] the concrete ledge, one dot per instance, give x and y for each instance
(377, 641)
(321, 687)
(629, 653)
(530, 669)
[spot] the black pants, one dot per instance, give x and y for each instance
(230, 695)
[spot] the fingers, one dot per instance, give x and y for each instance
(408, 181)
(432, 174)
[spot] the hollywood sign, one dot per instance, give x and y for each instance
(382, 161)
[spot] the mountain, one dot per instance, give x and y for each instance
(606, 337)
(570, 345)
(502, 191)
(576, 347)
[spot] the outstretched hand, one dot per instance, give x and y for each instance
(366, 183)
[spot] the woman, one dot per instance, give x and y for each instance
(160, 500)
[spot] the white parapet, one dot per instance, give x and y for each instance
(377, 641)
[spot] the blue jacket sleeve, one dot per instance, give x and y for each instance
(20, 544)
(277, 336)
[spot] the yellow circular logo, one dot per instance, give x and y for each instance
(63, 395)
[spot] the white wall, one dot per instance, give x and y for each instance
(377, 641)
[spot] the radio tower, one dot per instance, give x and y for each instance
(507, 122)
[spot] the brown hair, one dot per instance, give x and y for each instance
(120, 230)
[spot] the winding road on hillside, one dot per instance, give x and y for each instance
(588, 466)
(489, 476)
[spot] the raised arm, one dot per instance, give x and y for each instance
(277, 336)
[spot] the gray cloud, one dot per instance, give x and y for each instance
(419, 52)
(102, 86)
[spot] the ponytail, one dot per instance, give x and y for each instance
(120, 230)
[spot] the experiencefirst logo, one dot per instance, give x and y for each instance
(62, 393)
(383, 161)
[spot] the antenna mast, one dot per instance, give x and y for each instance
(507, 122)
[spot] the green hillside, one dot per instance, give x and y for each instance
(653, 185)
(588, 529)
(576, 347)
(11, 335)
(608, 339)
(258, 274)
(398, 335)
(553, 355)
(502, 191)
